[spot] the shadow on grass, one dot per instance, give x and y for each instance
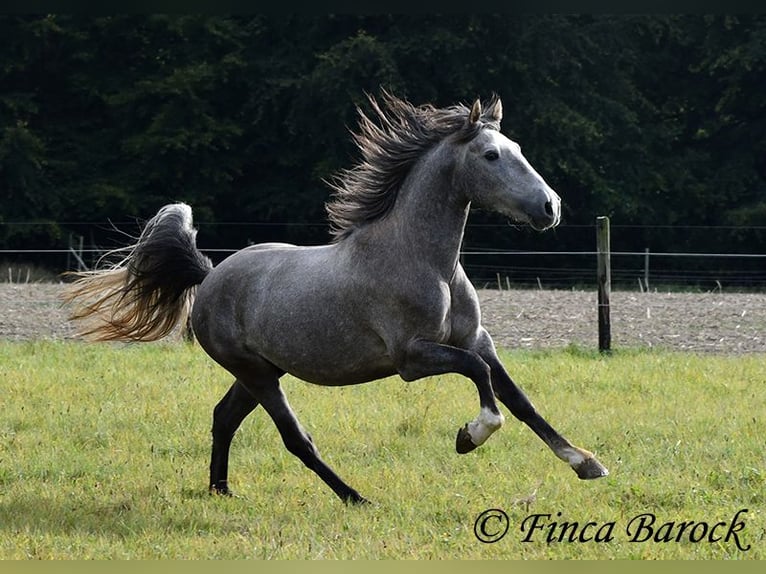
(144, 511)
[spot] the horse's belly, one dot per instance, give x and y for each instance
(332, 361)
(341, 376)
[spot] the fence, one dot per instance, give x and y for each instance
(647, 270)
(634, 270)
(496, 267)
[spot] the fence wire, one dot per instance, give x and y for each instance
(487, 256)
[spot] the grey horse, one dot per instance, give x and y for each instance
(387, 296)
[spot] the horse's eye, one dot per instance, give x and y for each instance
(491, 155)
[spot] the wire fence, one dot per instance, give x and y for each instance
(640, 270)
(637, 270)
(485, 257)
(719, 322)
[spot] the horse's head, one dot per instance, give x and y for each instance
(495, 175)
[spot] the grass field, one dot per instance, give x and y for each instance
(104, 454)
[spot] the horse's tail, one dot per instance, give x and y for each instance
(146, 294)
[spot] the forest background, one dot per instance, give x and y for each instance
(656, 120)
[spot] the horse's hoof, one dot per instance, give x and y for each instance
(590, 468)
(356, 499)
(220, 490)
(463, 442)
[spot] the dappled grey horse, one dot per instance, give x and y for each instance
(388, 296)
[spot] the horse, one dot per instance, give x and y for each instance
(386, 295)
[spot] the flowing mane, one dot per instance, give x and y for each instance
(389, 148)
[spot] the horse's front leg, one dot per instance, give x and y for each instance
(583, 462)
(424, 358)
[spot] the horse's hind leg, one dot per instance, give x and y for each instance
(299, 442)
(228, 414)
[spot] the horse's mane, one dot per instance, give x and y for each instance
(389, 148)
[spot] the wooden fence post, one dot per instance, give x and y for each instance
(646, 269)
(604, 284)
(77, 254)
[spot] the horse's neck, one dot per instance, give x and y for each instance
(427, 222)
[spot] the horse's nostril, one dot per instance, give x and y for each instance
(549, 208)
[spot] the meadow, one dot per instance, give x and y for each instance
(104, 454)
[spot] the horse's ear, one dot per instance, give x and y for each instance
(496, 113)
(475, 112)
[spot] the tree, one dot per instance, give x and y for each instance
(651, 119)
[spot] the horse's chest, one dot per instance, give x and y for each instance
(427, 318)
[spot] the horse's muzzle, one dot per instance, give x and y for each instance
(548, 215)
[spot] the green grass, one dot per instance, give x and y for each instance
(104, 454)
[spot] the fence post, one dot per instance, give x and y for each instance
(646, 269)
(77, 254)
(604, 284)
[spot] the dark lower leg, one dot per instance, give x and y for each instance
(583, 462)
(425, 358)
(229, 413)
(300, 444)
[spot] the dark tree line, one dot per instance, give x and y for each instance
(654, 120)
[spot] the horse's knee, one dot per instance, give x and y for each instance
(523, 410)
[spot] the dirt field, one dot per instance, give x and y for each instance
(709, 322)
